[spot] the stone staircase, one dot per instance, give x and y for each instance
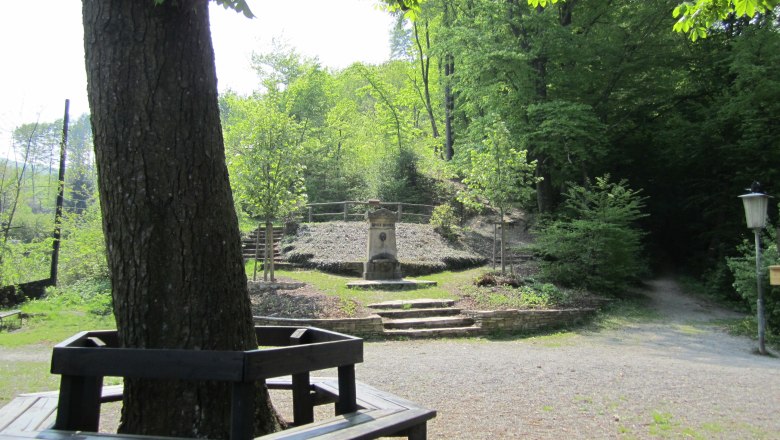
(424, 318)
(249, 242)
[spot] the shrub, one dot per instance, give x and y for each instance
(444, 220)
(83, 254)
(93, 295)
(744, 270)
(595, 244)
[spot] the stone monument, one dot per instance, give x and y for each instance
(382, 262)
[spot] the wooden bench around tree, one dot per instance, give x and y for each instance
(362, 412)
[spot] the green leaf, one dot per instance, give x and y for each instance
(236, 5)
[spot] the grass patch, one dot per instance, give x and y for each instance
(624, 312)
(662, 424)
(748, 327)
(554, 340)
(53, 326)
(336, 285)
(63, 313)
(18, 377)
(689, 329)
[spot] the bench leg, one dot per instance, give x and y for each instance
(242, 410)
(419, 432)
(79, 403)
(347, 392)
(303, 406)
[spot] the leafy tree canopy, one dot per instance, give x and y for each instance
(695, 18)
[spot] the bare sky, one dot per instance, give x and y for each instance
(42, 49)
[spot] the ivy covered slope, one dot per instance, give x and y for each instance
(341, 247)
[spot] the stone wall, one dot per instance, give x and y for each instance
(370, 327)
(508, 321)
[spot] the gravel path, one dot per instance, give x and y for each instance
(678, 376)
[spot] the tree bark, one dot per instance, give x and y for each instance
(268, 259)
(449, 107)
(171, 231)
(425, 69)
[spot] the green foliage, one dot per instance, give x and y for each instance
(91, 295)
(500, 291)
(569, 135)
(264, 156)
(596, 244)
(497, 174)
(83, 249)
(743, 268)
(24, 262)
(65, 313)
(444, 220)
(697, 17)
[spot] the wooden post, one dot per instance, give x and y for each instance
(400, 212)
(78, 408)
(303, 404)
(346, 210)
(309, 214)
(347, 391)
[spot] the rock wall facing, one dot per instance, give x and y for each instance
(500, 321)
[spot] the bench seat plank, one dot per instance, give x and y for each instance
(35, 417)
(360, 425)
(111, 393)
(388, 425)
(14, 409)
(383, 414)
(322, 427)
(53, 434)
(367, 397)
(9, 313)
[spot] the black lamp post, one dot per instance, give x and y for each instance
(756, 203)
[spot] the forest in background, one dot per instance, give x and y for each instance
(585, 88)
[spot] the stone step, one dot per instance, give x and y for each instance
(252, 239)
(413, 304)
(454, 332)
(427, 323)
(417, 313)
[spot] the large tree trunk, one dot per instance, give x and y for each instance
(171, 231)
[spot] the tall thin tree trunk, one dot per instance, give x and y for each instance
(55, 251)
(503, 242)
(257, 252)
(425, 69)
(271, 253)
(174, 249)
(18, 190)
(449, 107)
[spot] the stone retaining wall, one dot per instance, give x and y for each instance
(267, 286)
(370, 327)
(490, 322)
(501, 321)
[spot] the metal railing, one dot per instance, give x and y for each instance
(352, 210)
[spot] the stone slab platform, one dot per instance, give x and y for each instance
(390, 284)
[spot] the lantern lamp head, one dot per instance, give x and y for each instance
(755, 203)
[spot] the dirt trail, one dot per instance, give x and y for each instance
(675, 376)
(675, 306)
